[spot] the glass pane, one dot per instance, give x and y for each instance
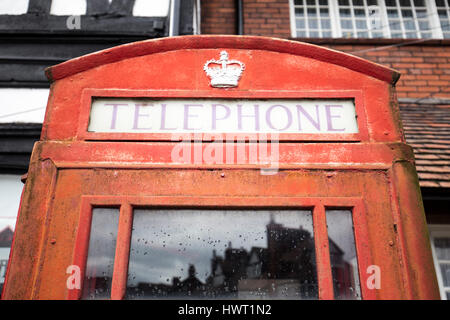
(445, 271)
(448, 295)
(314, 34)
(346, 24)
(358, 2)
(419, 3)
(440, 3)
(344, 265)
(421, 13)
(323, 2)
(327, 34)
(301, 34)
(102, 247)
(405, 3)
(312, 12)
(345, 13)
(363, 35)
(442, 246)
(324, 13)
(377, 35)
(392, 13)
(360, 13)
(442, 14)
(361, 25)
(395, 25)
(409, 25)
(312, 23)
(311, 2)
(218, 254)
(407, 13)
(300, 23)
(343, 2)
(390, 3)
(325, 23)
(423, 25)
(299, 12)
(298, 2)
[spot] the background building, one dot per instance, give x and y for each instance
(412, 36)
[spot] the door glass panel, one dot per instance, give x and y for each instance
(213, 254)
(100, 261)
(344, 264)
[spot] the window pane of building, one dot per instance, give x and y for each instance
(312, 18)
(102, 247)
(344, 264)
(222, 254)
(443, 10)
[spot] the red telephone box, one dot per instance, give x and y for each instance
(221, 167)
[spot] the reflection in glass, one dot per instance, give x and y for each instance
(100, 261)
(236, 254)
(344, 265)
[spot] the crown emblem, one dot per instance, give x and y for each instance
(224, 73)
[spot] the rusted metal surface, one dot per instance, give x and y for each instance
(72, 169)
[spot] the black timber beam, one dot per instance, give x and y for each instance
(16, 144)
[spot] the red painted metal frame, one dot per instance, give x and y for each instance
(318, 206)
(89, 94)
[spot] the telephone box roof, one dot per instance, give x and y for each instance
(152, 46)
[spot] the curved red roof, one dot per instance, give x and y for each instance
(146, 47)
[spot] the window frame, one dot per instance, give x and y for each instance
(435, 26)
(316, 205)
(435, 231)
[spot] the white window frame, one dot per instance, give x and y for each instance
(436, 231)
(434, 23)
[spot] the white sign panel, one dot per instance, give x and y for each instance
(313, 116)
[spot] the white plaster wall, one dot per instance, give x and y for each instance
(23, 105)
(13, 7)
(10, 192)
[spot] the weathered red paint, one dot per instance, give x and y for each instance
(72, 170)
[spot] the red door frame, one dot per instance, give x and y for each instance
(318, 206)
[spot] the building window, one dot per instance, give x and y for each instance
(312, 19)
(370, 19)
(443, 10)
(440, 245)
